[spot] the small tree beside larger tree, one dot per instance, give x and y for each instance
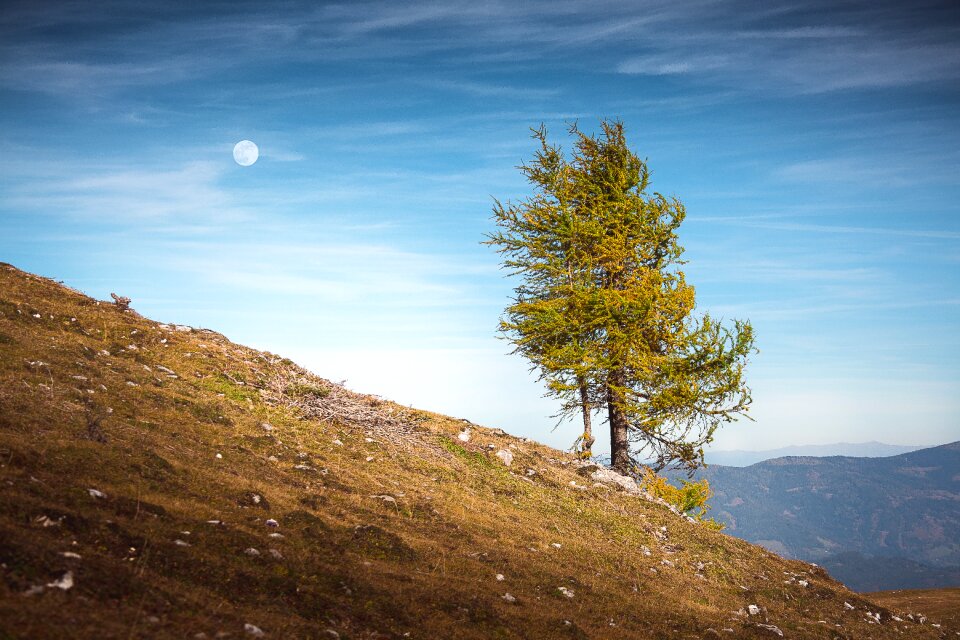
(603, 311)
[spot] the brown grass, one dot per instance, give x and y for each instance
(392, 527)
(940, 605)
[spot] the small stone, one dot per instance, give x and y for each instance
(848, 606)
(385, 498)
(506, 457)
(369, 458)
(250, 551)
(464, 436)
(219, 456)
(275, 554)
(70, 554)
(555, 545)
(272, 523)
(96, 494)
(772, 629)
(566, 592)
(276, 535)
(253, 630)
(753, 610)
(181, 543)
(65, 582)
(509, 597)
(500, 577)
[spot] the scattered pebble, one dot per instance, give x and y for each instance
(464, 436)
(219, 456)
(753, 610)
(250, 551)
(70, 554)
(96, 494)
(566, 592)
(555, 545)
(65, 582)
(505, 457)
(338, 443)
(272, 523)
(500, 577)
(509, 597)
(181, 543)
(253, 630)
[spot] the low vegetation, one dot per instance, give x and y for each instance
(158, 481)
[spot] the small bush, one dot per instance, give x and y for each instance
(690, 497)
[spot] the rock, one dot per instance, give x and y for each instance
(250, 551)
(773, 629)
(181, 543)
(266, 426)
(253, 630)
(272, 523)
(385, 498)
(753, 610)
(96, 494)
(565, 592)
(509, 598)
(275, 554)
(506, 457)
(65, 582)
(555, 545)
(70, 554)
(219, 456)
(464, 436)
(848, 606)
(338, 443)
(500, 577)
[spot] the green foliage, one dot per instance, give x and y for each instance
(603, 311)
(230, 388)
(690, 497)
(473, 457)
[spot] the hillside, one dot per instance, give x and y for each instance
(159, 481)
(876, 523)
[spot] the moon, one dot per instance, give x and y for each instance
(245, 153)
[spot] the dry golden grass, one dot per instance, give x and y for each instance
(940, 605)
(391, 527)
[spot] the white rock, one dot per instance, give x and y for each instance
(274, 553)
(253, 553)
(96, 494)
(253, 630)
(464, 436)
(272, 523)
(181, 543)
(506, 457)
(65, 582)
(509, 598)
(772, 629)
(385, 498)
(219, 456)
(848, 606)
(753, 610)
(70, 554)
(338, 443)
(500, 577)
(567, 592)
(555, 545)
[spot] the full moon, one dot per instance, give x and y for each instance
(245, 153)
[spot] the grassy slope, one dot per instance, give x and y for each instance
(420, 563)
(941, 605)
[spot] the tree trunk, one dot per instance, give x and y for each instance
(617, 417)
(587, 440)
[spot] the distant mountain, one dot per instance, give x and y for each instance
(738, 458)
(879, 523)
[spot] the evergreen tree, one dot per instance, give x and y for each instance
(603, 311)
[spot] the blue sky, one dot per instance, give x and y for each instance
(816, 146)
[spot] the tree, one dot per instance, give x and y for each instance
(603, 311)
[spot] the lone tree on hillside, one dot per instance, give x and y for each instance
(603, 311)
